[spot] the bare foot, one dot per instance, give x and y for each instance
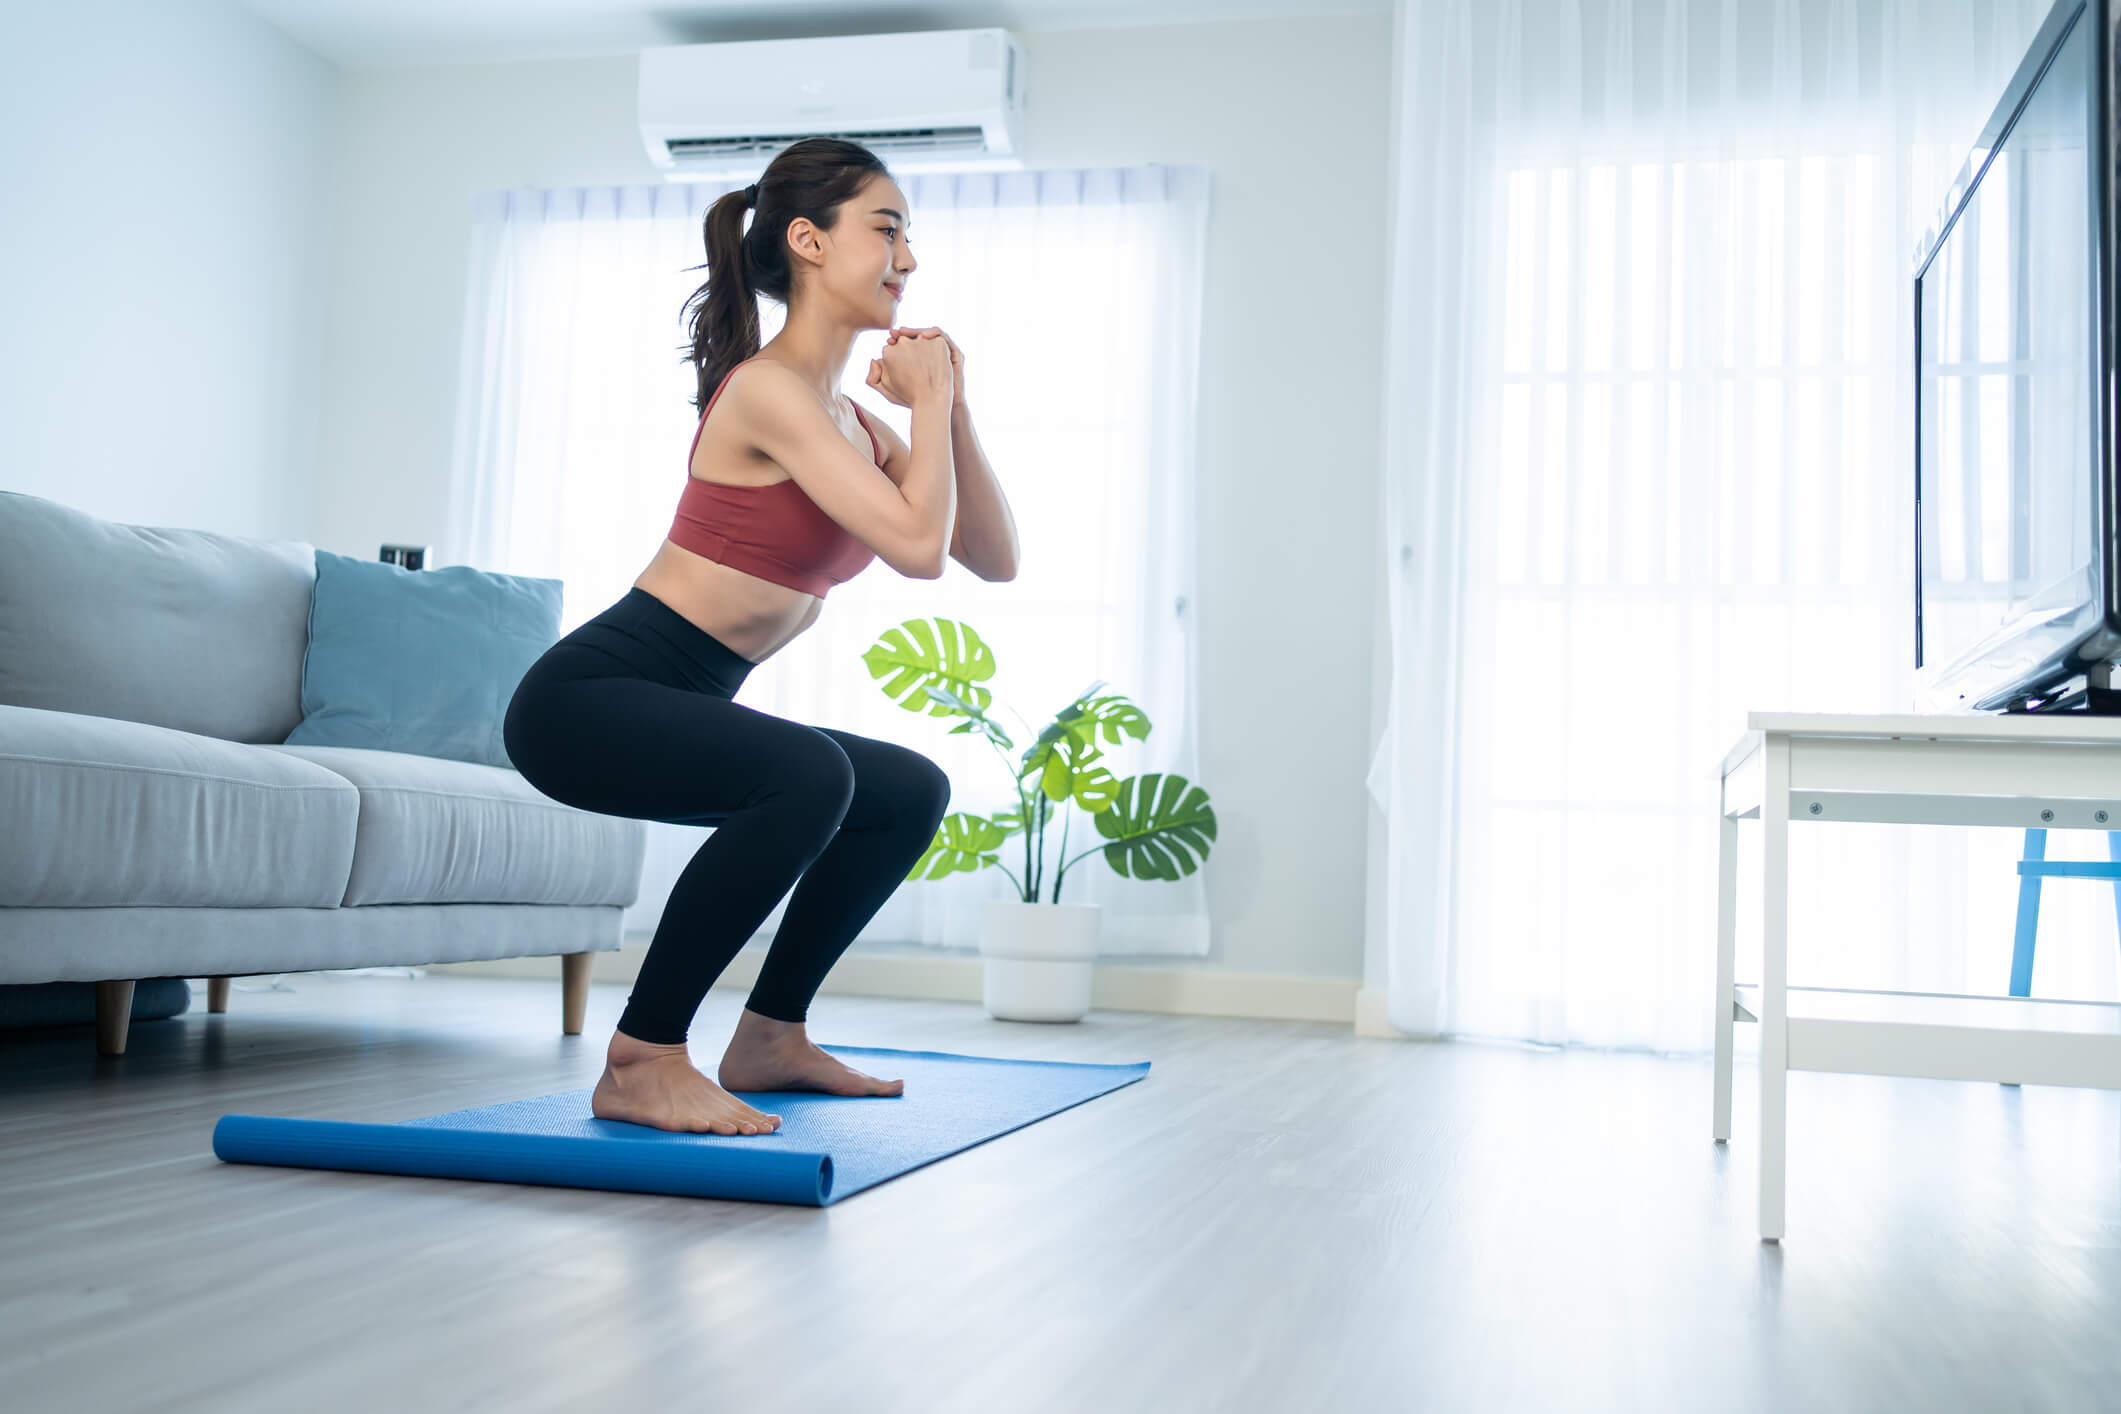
(776, 1055)
(658, 1086)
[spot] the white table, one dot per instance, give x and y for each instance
(2030, 771)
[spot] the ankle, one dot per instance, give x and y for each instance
(755, 1029)
(627, 1050)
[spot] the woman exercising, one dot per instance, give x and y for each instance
(791, 490)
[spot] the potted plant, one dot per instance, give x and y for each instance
(1039, 954)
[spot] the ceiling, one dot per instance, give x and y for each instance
(366, 34)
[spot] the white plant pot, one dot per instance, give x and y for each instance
(1038, 959)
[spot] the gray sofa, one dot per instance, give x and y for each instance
(153, 824)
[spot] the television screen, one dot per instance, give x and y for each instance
(2008, 509)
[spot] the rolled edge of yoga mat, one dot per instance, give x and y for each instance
(645, 1165)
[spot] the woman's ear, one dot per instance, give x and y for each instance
(803, 239)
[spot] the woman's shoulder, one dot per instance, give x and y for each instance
(760, 392)
(778, 406)
(759, 373)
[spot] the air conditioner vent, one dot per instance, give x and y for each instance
(877, 140)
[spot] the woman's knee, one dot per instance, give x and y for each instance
(924, 794)
(939, 787)
(820, 774)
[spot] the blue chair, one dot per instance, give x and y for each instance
(2031, 870)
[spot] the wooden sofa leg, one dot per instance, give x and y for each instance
(217, 994)
(114, 1013)
(574, 990)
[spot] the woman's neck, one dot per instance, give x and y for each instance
(818, 350)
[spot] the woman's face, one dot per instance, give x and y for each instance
(871, 256)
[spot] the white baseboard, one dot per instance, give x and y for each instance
(923, 974)
(1370, 1014)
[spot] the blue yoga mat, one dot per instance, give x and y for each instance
(827, 1147)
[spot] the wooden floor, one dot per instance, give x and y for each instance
(1280, 1217)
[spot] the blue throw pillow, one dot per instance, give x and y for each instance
(421, 661)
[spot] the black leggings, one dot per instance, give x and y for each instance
(631, 714)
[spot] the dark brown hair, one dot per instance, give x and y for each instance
(810, 178)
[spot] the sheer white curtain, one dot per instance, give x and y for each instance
(1075, 295)
(1649, 467)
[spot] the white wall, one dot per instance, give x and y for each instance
(163, 164)
(1292, 117)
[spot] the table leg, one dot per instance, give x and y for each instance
(1774, 979)
(1726, 964)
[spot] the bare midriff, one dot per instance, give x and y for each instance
(754, 617)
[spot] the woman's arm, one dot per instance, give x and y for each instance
(983, 539)
(985, 542)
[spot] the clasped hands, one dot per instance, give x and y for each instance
(957, 360)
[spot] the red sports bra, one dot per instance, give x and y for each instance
(774, 531)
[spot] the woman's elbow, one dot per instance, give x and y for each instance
(924, 563)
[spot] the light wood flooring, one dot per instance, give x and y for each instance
(1280, 1217)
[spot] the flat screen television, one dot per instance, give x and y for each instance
(2017, 595)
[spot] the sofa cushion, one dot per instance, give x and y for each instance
(181, 628)
(419, 661)
(438, 831)
(104, 812)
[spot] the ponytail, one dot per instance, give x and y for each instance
(724, 312)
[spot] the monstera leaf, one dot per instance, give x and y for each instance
(1114, 718)
(1160, 827)
(1069, 745)
(939, 653)
(963, 844)
(1010, 820)
(1071, 773)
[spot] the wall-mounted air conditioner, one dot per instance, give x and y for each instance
(940, 99)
